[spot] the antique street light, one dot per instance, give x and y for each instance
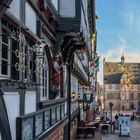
(111, 106)
(73, 94)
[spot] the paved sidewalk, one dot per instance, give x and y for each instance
(134, 133)
(98, 136)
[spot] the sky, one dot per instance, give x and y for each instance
(118, 31)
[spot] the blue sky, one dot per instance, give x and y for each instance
(118, 30)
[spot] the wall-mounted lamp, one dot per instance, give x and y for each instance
(80, 103)
(73, 94)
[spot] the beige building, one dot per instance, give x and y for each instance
(121, 84)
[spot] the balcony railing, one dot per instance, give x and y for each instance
(32, 126)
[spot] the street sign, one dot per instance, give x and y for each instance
(124, 123)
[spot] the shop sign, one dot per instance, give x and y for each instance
(124, 123)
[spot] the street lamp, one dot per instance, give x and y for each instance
(80, 104)
(73, 94)
(111, 106)
(80, 109)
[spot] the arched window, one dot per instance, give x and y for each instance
(44, 77)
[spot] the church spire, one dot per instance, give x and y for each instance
(122, 59)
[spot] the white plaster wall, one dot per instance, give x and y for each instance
(67, 8)
(12, 105)
(55, 3)
(30, 102)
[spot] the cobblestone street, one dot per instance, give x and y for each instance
(134, 133)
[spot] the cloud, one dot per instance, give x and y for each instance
(114, 55)
(119, 49)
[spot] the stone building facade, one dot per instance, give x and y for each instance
(121, 84)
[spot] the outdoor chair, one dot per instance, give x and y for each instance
(105, 129)
(90, 131)
(81, 132)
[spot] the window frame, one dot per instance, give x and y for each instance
(23, 47)
(5, 76)
(44, 77)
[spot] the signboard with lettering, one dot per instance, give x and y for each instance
(124, 123)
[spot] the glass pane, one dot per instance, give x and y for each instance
(45, 92)
(46, 83)
(4, 36)
(27, 129)
(14, 45)
(46, 73)
(4, 67)
(58, 113)
(47, 119)
(43, 73)
(14, 59)
(4, 51)
(14, 73)
(62, 110)
(53, 116)
(38, 124)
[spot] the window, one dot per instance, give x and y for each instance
(5, 40)
(30, 18)
(117, 87)
(44, 77)
(138, 95)
(132, 95)
(110, 86)
(14, 59)
(14, 55)
(4, 53)
(110, 96)
(15, 8)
